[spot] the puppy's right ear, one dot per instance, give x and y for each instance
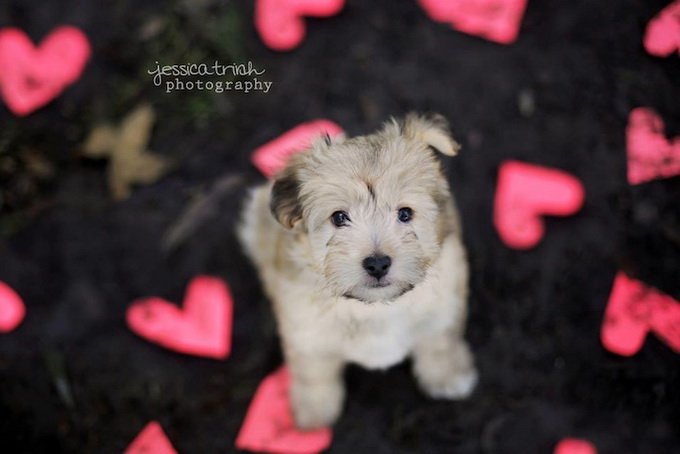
(284, 202)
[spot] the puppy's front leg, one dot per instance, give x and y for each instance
(444, 366)
(317, 391)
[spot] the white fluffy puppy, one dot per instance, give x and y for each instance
(365, 263)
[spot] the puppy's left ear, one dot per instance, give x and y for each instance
(433, 130)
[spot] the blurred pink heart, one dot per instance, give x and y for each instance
(151, 440)
(272, 156)
(281, 23)
(30, 76)
(12, 309)
(524, 194)
(269, 425)
(633, 311)
(495, 20)
(202, 327)
(662, 37)
(574, 446)
(650, 154)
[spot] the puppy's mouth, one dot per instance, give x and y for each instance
(380, 284)
(377, 292)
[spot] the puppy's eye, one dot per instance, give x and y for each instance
(339, 218)
(405, 214)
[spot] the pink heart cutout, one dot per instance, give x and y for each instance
(31, 77)
(525, 193)
(151, 440)
(650, 154)
(202, 327)
(662, 36)
(575, 446)
(271, 157)
(269, 425)
(633, 311)
(12, 309)
(280, 23)
(495, 20)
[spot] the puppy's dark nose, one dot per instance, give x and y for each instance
(377, 265)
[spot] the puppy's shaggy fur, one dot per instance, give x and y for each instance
(365, 263)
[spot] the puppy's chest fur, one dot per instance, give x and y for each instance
(384, 336)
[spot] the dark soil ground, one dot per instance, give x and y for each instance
(74, 378)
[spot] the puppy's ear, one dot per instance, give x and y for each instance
(433, 130)
(284, 202)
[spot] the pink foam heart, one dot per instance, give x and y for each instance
(12, 309)
(525, 193)
(269, 425)
(281, 24)
(202, 327)
(575, 446)
(650, 154)
(271, 157)
(495, 20)
(633, 311)
(151, 440)
(662, 37)
(30, 76)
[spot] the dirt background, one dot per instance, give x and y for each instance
(73, 378)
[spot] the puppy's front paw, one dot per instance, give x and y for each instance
(316, 406)
(447, 373)
(456, 385)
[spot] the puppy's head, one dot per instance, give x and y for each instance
(375, 208)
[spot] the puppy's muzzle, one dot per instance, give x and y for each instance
(377, 265)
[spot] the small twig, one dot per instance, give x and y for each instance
(56, 367)
(198, 212)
